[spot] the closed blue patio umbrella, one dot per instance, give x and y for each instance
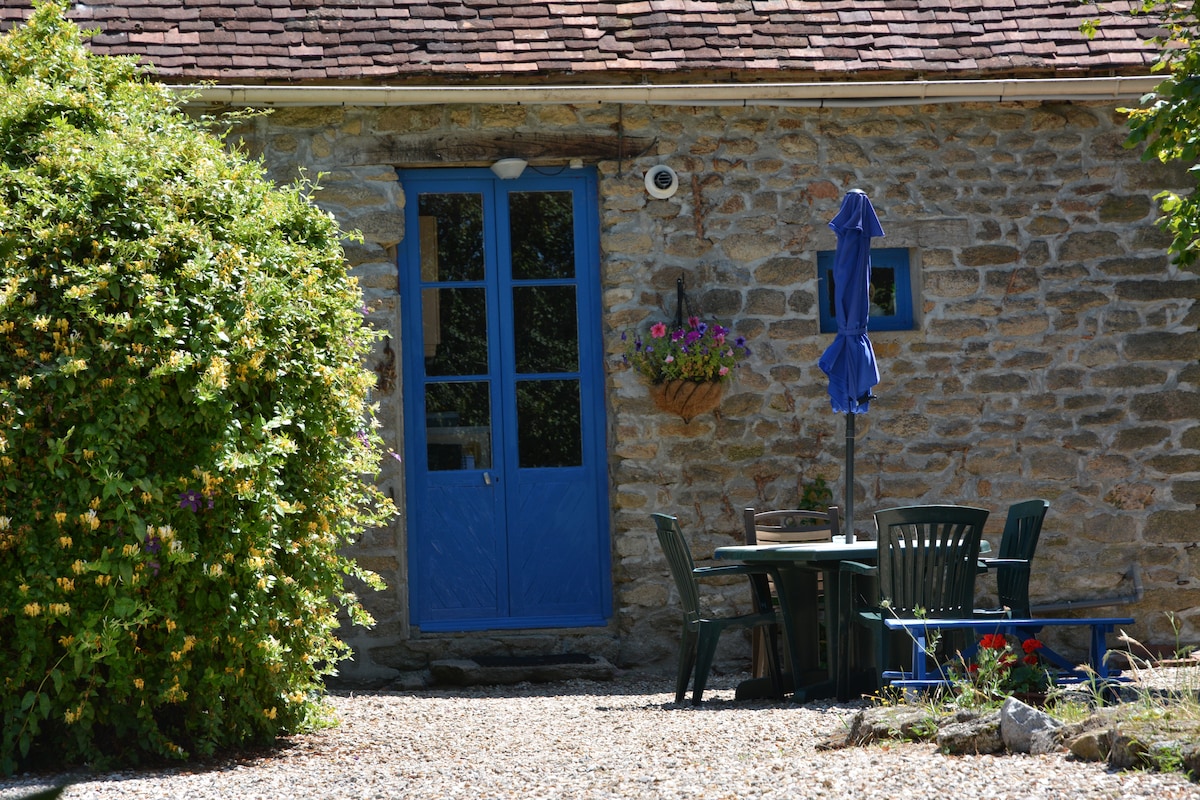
(849, 361)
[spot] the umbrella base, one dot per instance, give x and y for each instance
(688, 399)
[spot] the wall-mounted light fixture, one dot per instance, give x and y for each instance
(507, 169)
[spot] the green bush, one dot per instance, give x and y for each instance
(185, 438)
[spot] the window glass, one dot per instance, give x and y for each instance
(891, 306)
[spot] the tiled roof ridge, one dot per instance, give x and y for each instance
(382, 41)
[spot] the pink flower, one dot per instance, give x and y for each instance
(723, 371)
(658, 330)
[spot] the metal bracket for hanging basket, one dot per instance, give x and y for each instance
(681, 303)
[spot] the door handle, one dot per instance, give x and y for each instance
(487, 478)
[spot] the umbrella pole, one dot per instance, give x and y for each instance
(849, 511)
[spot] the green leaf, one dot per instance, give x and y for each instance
(124, 607)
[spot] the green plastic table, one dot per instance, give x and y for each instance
(797, 567)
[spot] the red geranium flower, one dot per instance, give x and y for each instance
(1031, 645)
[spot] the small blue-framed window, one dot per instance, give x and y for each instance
(891, 291)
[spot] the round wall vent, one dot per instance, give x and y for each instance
(661, 181)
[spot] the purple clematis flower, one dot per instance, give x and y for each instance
(190, 499)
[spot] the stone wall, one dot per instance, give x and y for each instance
(1055, 355)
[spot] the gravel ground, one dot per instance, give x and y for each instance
(620, 739)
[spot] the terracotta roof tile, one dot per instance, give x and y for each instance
(393, 40)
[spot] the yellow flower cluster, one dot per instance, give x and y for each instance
(175, 693)
(165, 534)
(74, 366)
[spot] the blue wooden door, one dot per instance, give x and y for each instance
(503, 401)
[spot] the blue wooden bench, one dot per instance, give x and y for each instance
(1066, 670)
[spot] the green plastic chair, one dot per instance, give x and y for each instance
(928, 557)
(698, 641)
(1022, 528)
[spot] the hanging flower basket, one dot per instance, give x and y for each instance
(688, 399)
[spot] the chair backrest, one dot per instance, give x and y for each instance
(1022, 528)
(790, 526)
(679, 559)
(928, 557)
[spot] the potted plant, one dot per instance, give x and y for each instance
(687, 366)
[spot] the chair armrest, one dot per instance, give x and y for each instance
(755, 573)
(732, 569)
(859, 568)
(989, 563)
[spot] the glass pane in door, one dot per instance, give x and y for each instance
(454, 326)
(548, 424)
(542, 227)
(451, 237)
(545, 329)
(458, 425)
